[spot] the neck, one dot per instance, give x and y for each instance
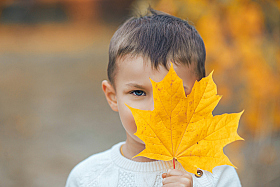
(132, 148)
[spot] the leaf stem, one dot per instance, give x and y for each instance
(174, 163)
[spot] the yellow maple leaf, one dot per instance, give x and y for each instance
(183, 128)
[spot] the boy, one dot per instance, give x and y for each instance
(141, 49)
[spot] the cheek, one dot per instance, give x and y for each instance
(127, 119)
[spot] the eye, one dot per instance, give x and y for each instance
(138, 93)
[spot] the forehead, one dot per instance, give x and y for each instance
(137, 66)
(138, 70)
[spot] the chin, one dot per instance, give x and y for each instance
(138, 140)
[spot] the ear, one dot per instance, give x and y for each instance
(110, 95)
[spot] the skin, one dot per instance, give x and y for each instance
(133, 87)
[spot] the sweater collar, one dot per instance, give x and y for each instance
(131, 165)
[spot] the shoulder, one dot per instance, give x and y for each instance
(221, 176)
(89, 169)
(226, 176)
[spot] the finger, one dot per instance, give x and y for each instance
(177, 179)
(175, 185)
(176, 172)
(164, 175)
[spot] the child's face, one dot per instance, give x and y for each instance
(133, 87)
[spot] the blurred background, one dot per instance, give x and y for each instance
(53, 57)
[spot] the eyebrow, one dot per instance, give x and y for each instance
(142, 87)
(135, 85)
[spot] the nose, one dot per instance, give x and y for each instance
(151, 103)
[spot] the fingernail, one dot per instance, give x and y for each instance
(168, 170)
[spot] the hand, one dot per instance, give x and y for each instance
(175, 177)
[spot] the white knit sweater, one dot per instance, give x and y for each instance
(110, 168)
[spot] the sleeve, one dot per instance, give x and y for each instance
(226, 176)
(73, 179)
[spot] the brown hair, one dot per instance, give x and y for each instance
(161, 38)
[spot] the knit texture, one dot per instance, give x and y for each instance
(111, 169)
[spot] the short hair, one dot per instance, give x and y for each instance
(160, 37)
